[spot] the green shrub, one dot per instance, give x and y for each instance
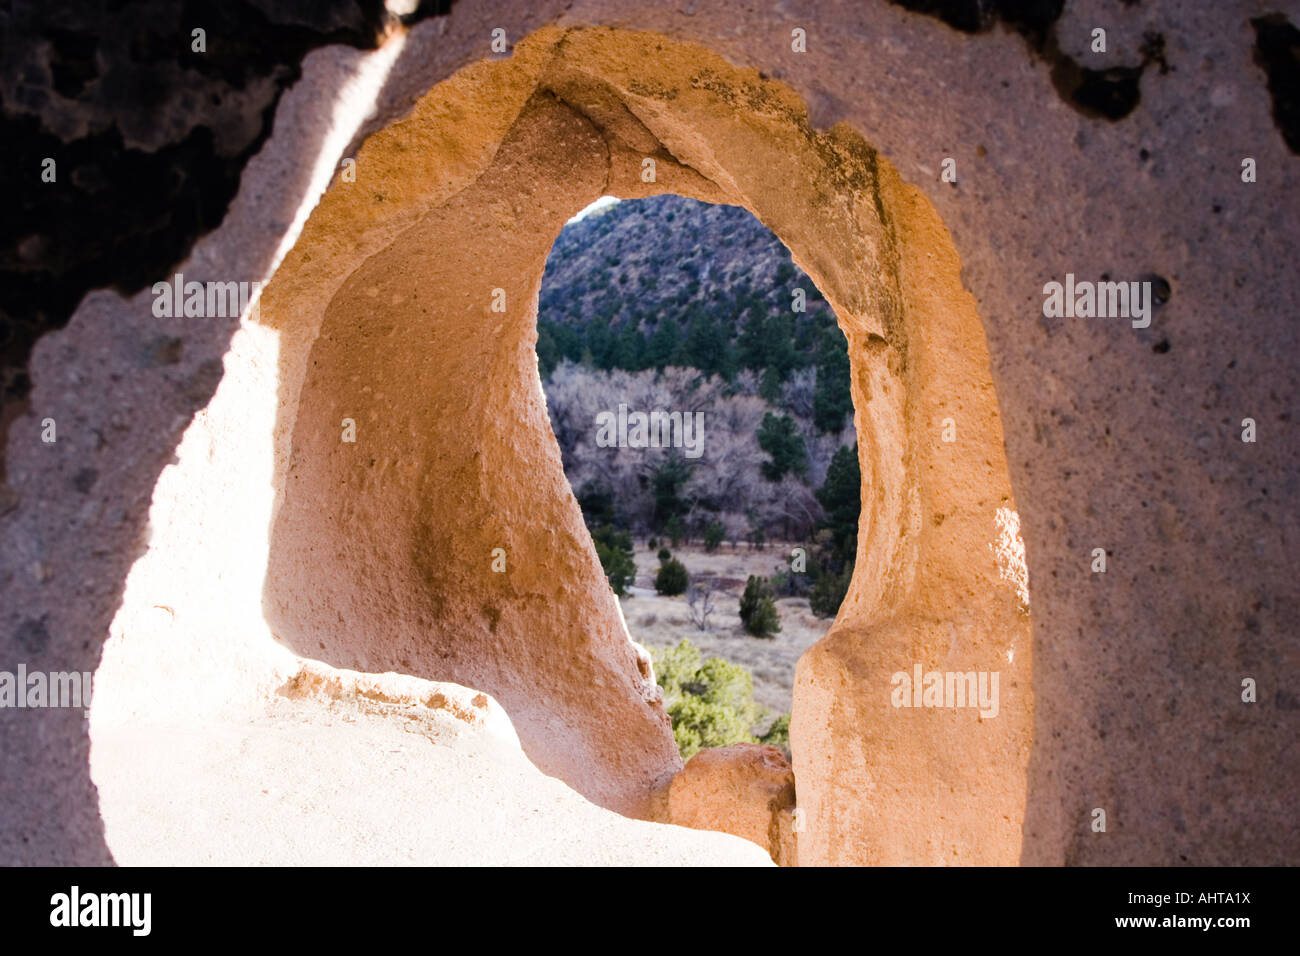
(786, 583)
(675, 531)
(713, 536)
(829, 591)
(710, 702)
(614, 548)
(758, 609)
(778, 734)
(664, 555)
(672, 578)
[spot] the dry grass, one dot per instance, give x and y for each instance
(658, 622)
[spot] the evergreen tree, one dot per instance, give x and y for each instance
(599, 340)
(769, 386)
(666, 484)
(836, 551)
(597, 504)
(548, 352)
(676, 533)
(832, 397)
(758, 608)
(555, 342)
(829, 591)
(713, 535)
(663, 343)
(841, 498)
(707, 346)
(672, 578)
(751, 348)
(779, 437)
(614, 548)
(628, 350)
(778, 333)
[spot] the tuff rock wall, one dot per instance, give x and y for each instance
(274, 541)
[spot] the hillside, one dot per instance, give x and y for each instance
(676, 305)
(672, 281)
(669, 303)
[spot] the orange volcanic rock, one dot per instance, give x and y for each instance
(744, 789)
(241, 514)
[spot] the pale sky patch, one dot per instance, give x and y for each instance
(600, 203)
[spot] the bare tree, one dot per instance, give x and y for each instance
(699, 602)
(798, 392)
(724, 483)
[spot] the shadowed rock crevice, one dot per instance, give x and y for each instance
(1111, 93)
(149, 139)
(1277, 53)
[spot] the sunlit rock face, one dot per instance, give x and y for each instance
(443, 544)
(417, 510)
(744, 789)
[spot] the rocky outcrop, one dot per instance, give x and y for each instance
(368, 769)
(456, 548)
(270, 539)
(419, 517)
(746, 790)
